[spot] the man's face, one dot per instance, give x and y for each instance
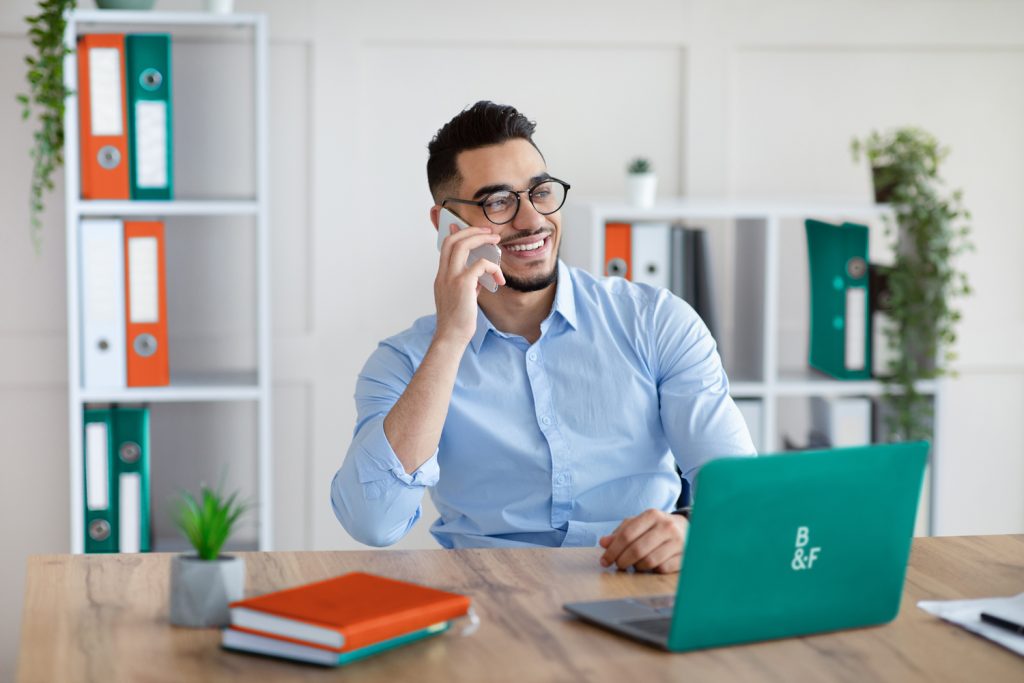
(512, 165)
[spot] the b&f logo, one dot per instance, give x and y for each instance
(803, 561)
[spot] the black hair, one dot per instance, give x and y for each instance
(485, 123)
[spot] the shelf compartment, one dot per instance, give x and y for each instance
(225, 385)
(176, 207)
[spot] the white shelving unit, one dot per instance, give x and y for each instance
(756, 372)
(252, 386)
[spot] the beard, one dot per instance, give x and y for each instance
(534, 283)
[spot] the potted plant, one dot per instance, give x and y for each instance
(203, 584)
(641, 183)
(46, 95)
(928, 229)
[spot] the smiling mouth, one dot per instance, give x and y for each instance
(527, 246)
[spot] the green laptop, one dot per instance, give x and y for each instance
(784, 545)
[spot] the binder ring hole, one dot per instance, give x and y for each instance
(103, 345)
(150, 79)
(108, 157)
(145, 345)
(856, 268)
(130, 452)
(617, 267)
(99, 529)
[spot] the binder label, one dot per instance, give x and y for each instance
(151, 144)
(143, 280)
(97, 495)
(856, 330)
(105, 84)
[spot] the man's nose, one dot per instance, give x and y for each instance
(528, 218)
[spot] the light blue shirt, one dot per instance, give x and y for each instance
(552, 443)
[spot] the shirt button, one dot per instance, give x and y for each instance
(560, 478)
(546, 420)
(533, 356)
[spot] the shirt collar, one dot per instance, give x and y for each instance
(564, 305)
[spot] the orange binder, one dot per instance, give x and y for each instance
(347, 612)
(146, 304)
(102, 115)
(618, 257)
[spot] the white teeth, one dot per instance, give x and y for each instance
(527, 247)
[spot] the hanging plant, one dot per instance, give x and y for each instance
(928, 229)
(46, 96)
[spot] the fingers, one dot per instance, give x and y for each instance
(651, 541)
(672, 565)
(624, 536)
(456, 247)
(481, 266)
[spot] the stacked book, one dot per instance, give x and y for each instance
(341, 620)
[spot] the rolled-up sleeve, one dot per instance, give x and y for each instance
(698, 415)
(372, 495)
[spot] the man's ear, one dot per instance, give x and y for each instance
(435, 215)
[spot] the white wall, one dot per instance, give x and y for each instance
(735, 98)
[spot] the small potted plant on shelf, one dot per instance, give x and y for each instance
(929, 228)
(641, 183)
(203, 584)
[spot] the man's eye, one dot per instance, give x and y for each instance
(499, 204)
(541, 194)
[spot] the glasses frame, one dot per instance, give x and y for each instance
(519, 202)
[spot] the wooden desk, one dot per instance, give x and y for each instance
(104, 618)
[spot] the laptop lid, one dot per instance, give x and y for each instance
(797, 543)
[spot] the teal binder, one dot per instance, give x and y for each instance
(150, 142)
(840, 343)
(132, 467)
(99, 491)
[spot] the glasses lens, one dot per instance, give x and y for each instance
(500, 207)
(547, 197)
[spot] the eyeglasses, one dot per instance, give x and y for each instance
(501, 207)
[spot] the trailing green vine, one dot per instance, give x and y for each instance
(47, 96)
(930, 230)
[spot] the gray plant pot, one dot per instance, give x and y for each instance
(202, 589)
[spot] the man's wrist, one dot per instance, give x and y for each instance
(683, 511)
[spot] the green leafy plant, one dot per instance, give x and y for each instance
(928, 230)
(207, 521)
(639, 165)
(46, 95)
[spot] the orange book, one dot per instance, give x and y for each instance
(146, 304)
(347, 612)
(618, 247)
(102, 116)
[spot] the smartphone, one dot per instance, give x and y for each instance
(491, 252)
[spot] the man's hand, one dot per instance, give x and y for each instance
(456, 286)
(651, 541)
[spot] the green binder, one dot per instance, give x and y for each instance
(100, 499)
(840, 343)
(132, 466)
(150, 144)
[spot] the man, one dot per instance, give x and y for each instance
(546, 413)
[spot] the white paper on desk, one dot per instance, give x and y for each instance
(967, 613)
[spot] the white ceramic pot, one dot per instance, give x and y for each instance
(641, 189)
(202, 589)
(219, 6)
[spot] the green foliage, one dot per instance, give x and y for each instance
(639, 165)
(931, 229)
(46, 95)
(208, 521)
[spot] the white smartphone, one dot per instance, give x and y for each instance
(491, 252)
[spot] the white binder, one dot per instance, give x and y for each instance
(651, 245)
(101, 252)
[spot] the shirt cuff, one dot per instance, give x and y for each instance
(380, 463)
